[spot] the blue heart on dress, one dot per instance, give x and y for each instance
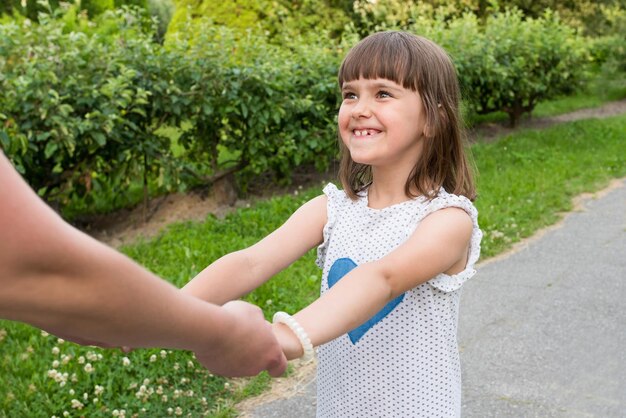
(340, 268)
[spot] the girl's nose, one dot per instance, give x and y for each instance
(362, 109)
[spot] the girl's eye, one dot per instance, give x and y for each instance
(384, 94)
(349, 96)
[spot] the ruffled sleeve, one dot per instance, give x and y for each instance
(333, 194)
(446, 282)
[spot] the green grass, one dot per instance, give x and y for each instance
(526, 180)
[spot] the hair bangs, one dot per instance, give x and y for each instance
(378, 56)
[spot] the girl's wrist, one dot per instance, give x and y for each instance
(292, 337)
(288, 341)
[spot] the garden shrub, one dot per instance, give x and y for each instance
(510, 63)
(73, 104)
(270, 108)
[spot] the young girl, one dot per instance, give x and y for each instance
(395, 244)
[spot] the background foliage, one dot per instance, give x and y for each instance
(95, 104)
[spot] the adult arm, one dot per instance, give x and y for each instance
(57, 278)
(438, 245)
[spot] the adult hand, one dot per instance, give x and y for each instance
(249, 348)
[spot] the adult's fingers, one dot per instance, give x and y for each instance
(277, 368)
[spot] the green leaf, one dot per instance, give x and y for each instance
(51, 148)
(100, 138)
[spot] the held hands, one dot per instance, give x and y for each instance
(249, 348)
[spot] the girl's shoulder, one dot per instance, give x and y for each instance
(449, 200)
(335, 195)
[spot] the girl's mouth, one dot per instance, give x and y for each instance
(361, 133)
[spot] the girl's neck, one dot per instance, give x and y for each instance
(387, 188)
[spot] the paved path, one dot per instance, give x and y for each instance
(543, 330)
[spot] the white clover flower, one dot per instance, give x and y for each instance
(125, 361)
(81, 360)
(144, 393)
(163, 353)
(98, 390)
(190, 393)
(65, 359)
(191, 365)
(204, 401)
(178, 411)
(61, 341)
(177, 393)
(3, 333)
(58, 377)
(170, 411)
(66, 414)
(74, 378)
(146, 381)
(176, 366)
(91, 356)
(226, 385)
(55, 364)
(164, 398)
(43, 333)
(72, 392)
(95, 400)
(153, 358)
(159, 390)
(76, 404)
(115, 413)
(184, 380)
(85, 396)
(55, 351)
(89, 368)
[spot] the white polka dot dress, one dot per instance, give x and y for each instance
(404, 362)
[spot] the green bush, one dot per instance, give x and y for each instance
(510, 63)
(274, 18)
(270, 108)
(74, 105)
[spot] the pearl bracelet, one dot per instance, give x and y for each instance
(285, 318)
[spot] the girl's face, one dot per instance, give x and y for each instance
(381, 123)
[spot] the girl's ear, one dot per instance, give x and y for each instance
(428, 132)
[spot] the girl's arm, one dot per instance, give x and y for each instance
(440, 244)
(238, 273)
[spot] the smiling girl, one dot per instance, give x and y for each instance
(395, 245)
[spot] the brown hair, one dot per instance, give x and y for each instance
(420, 65)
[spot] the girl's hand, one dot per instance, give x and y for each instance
(288, 341)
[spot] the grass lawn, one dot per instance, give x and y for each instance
(526, 180)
